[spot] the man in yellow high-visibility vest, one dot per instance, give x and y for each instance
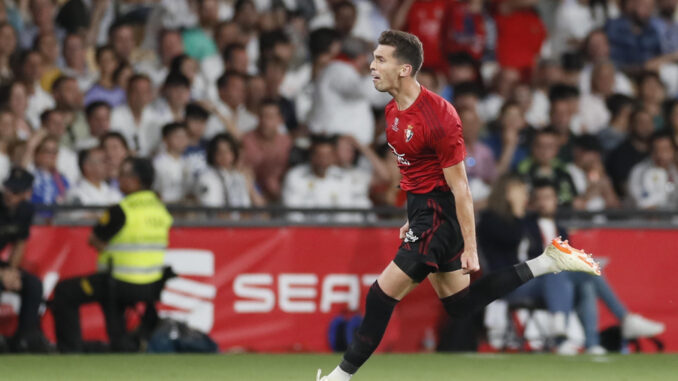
(131, 239)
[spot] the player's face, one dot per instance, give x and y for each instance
(385, 68)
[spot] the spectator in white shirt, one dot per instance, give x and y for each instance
(588, 175)
(341, 104)
(363, 168)
(7, 136)
(92, 188)
(231, 106)
(652, 184)
(170, 45)
(38, 99)
(98, 116)
(69, 100)
(176, 93)
(172, 173)
(136, 120)
(75, 61)
(318, 184)
(116, 149)
(222, 184)
(54, 126)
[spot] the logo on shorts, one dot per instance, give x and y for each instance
(409, 134)
(410, 237)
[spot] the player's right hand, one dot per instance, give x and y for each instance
(469, 261)
(404, 229)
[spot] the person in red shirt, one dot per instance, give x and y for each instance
(438, 239)
(424, 18)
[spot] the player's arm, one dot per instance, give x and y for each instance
(456, 179)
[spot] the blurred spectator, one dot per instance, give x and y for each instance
(171, 106)
(136, 119)
(317, 184)
(69, 101)
(429, 79)
(504, 240)
(196, 152)
(620, 108)
(509, 141)
(8, 45)
(363, 169)
(520, 34)
(666, 26)
(424, 18)
(170, 45)
(15, 97)
(246, 16)
(98, 116)
(589, 177)
(92, 188)
(480, 162)
(266, 150)
(121, 38)
(502, 87)
(467, 28)
(115, 147)
(592, 109)
(198, 40)
(533, 103)
(75, 61)
(467, 96)
(342, 95)
(651, 94)
(564, 102)
(38, 99)
(106, 89)
(544, 164)
(633, 39)
(273, 71)
(54, 126)
(48, 47)
(231, 105)
(222, 184)
(461, 69)
(225, 34)
(42, 15)
(633, 150)
(652, 183)
(50, 185)
(189, 67)
(7, 136)
(671, 119)
(171, 167)
(597, 49)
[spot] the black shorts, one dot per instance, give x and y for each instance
(434, 242)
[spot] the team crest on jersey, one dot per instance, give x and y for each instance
(409, 134)
(394, 126)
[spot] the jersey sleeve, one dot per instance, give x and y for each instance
(110, 223)
(447, 140)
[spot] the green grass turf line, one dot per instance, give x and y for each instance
(417, 367)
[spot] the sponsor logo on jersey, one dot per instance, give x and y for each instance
(394, 126)
(409, 133)
(399, 156)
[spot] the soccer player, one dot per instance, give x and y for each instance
(438, 239)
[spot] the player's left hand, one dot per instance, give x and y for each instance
(469, 261)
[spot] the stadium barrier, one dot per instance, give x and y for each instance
(277, 288)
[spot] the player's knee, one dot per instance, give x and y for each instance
(376, 294)
(456, 305)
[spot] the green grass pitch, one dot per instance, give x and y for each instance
(417, 367)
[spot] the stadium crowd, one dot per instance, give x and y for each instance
(269, 102)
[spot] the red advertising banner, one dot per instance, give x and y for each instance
(277, 289)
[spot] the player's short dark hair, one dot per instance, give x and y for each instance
(562, 91)
(321, 40)
(228, 76)
(408, 48)
(92, 107)
(143, 170)
(113, 135)
(196, 111)
(170, 128)
(588, 142)
(616, 102)
(213, 146)
(177, 79)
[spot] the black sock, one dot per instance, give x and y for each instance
(378, 309)
(490, 287)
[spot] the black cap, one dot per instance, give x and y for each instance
(19, 180)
